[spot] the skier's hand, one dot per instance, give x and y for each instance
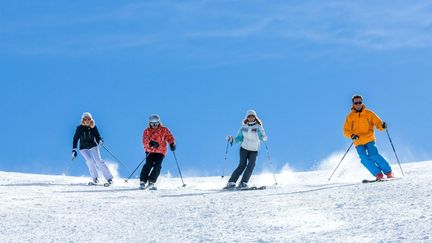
(384, 125)
(354, 137)
(154, 144)
(173, 147)
(230, 139)
(101, 142)
(265, 138)
(74, 154)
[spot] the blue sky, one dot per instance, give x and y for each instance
(201, 65)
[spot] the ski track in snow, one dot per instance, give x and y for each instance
(40, 208)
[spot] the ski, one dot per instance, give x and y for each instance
(370, 181)
(252, 188)
(92, 184)
(374, 181)
(107, 184)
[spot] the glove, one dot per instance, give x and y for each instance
(101, 142)
(172, 147)
(154, 144)
(384, 125)
(230, 139)
(74, 154)
(265, 138)
(354, 137)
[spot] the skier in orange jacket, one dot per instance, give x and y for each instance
(360, 126)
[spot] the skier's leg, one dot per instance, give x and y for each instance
(146, 168)
(100, 163)
(90, 163)
(377, 158)
(241, 167)
(252, 155)
(154, 175)
(366, 161)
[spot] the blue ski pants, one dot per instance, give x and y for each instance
(372, 160)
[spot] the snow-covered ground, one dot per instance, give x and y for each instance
(304, 207)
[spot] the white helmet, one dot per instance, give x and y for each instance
(155, 118)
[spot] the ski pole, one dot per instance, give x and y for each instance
(178, 167)
(137, 168)
(271, 163)
(394, 150)
(341, 160)
(115, 157)
(67, 167)
(226, 157)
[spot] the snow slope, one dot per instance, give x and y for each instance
(303, 207)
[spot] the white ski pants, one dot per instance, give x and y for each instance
(94, 161)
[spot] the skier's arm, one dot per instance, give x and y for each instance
(262, 134)
(75, 139)
(239, 138)
(145, 140)
(377, 122)
(97, 135)
(347, 129)
(169, 137)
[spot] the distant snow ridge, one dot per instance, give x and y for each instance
(302, 208)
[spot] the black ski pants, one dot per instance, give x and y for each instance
(246, 165)
(151, 169)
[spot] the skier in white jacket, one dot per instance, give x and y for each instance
(250, 136)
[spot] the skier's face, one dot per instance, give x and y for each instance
(86, 121)
(358, 104)
(251, 118)
(154, 125)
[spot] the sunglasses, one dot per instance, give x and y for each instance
(86, 119)
(358, 103)
(154, 124)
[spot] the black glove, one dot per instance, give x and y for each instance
(384, 125)
(74, 154)
(172, 147)
(154, 144)
(354, 137)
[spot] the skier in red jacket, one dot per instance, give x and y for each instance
(155, 139)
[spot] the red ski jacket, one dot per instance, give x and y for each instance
(161, 135)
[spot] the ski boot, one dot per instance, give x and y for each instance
(379, 177)
(230, 186)
(151, 186)
(243, 185)
(142, 185)
(94, 182)
(109, 183)
(390, 175)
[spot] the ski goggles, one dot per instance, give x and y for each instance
(358, 103)
(154, 124)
